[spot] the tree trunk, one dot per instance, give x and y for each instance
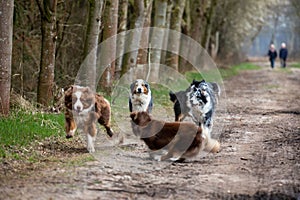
(6, 32)
(87, 74)
(207, 33)
(273, 36)
(110, 22)
(123, 10)
(166, 36)
(187, 19)
(134, 38)
(215, 47)
(47, 62)
(157, 37)
(172, 59)
(143, 52)
(197, 13)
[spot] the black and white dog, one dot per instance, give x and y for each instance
(198, 102)
(140, 96)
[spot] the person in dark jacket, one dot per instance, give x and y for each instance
(283, 53)
(272, 55)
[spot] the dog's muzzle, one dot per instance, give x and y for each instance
(139, 90)
(78, 110)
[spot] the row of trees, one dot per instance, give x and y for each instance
(52, 38)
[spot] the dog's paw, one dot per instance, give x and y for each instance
(71, 133)
(216, 147)
(90, 143)
(174, 159)
(91, 149)
(212, 146)
(156, 157)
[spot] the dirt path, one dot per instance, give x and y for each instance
(259, 158)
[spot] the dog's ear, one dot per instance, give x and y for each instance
(68, 89)
(194, 82)
(216, 88)
(88, 90)
(133, 115)
(68, 96)
(147, 85)
(132, 86)
(144, 115)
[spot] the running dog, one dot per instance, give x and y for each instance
(181, 139)
(83, 109)
(140, 96)
(198, 102)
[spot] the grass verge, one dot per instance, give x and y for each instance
(217, 75)
(22, 128)
(295, 65)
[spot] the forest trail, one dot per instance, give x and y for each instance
(259, 158)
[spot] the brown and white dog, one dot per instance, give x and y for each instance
(83, 109)
(181, 139)
(140, 98)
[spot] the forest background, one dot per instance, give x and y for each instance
(43, 43)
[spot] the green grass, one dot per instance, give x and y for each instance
(161, 95)
(295, 65)
(246, 66)
(21, 128)
(216, 75)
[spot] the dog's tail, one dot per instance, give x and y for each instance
(173, 97)
(210, 145)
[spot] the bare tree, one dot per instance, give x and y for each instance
(209, 20)
(158, 35)
(143, 52)
(123, 12)
(47, 62)
(172, 59)
(88, 73)
(238, 21)
(6, 32)
(110, 23)
(166, 36)
(134, 39)
(296, 5)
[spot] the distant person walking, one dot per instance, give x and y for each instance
(272, 55)
(283, 53)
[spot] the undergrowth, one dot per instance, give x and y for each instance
(21, 128)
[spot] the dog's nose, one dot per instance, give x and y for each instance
(139, 90)
(78, 108)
